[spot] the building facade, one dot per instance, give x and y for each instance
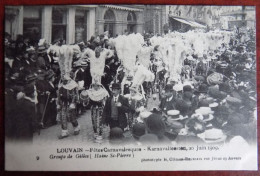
(155, 19)
(72, 23)
(241, 16)
(119, 19)
(76, 23)
(185, 17)
(220, 17)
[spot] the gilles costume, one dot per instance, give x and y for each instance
(96, 96)
(67, 90)
(67, 96)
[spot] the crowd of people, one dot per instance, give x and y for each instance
(204, 97)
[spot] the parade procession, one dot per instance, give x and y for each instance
(193, 87)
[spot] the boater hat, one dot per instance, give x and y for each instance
(234, 101)
(174, 114)
(178, 87)
(214, 136)
(144, 115)
(42, 49)
(30, 78)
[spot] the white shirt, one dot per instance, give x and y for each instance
(116, 98)
(169, 99)
(51, 84)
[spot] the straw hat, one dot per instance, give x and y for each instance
(174, 114)
(144, 115)
(214, 136)
(178, 87)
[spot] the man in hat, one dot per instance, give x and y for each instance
(32, 58)
(17, 66)
(168, 102)
(43, 61)
(29, 61)
(220, 117)
(107, 77)
(187, 60)
(202, 90)
(116, 107)
(156, 126)
(200, 68)
(193, 127)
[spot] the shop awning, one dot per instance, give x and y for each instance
(189, 22)
(85, 6)
(197, 24)
(183, 21)
(123, 8)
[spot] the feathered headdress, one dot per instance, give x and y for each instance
(127, 48)
(142, 74)
(65, 55)
(65, 59)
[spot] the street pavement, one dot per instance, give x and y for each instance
(50, 135)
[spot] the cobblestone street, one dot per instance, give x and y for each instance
(50, 135)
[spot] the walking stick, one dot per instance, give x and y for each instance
(43, 114)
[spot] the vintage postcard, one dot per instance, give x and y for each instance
(112, 87)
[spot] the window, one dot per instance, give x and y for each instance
(131, 17)
(109, 18)
(80, 26)
(131, 22)
(59, 23)
(109, 15)
(32, 24)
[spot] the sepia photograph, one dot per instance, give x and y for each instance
(143, 87)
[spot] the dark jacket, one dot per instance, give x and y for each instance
(51, 111)
(42, 88)
(121, 111)
(166, 106)
(24, 120)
